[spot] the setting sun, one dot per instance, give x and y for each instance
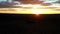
(36, 11)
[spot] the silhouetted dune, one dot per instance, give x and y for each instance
(27, 24)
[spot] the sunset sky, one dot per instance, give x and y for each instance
(42, 2)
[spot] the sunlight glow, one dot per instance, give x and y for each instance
(35, 9)
(29, 11)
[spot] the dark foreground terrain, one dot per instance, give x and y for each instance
(29, 24)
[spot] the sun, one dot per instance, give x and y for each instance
(37, 12)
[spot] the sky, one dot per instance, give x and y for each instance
(2, 0)
(50, 1)
(44, 1)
